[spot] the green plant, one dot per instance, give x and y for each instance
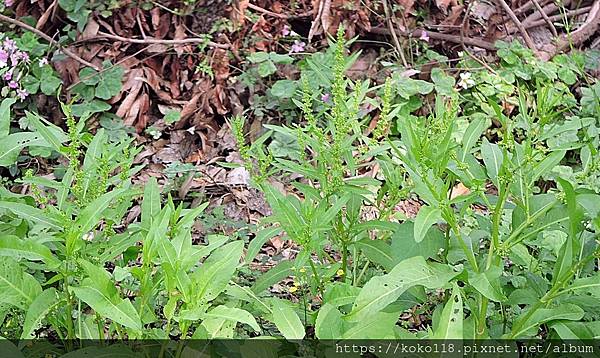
(57, 242)
(96, 87)
(522, 262)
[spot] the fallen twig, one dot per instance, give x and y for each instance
(274, 14)
(67, 52)
(150, 40)
(464, 24)
(525, 7)
(571, 13)
(515, 20)
(577, 37)
(393, 32)
(545, 17)
(265, 11)
(439, 36)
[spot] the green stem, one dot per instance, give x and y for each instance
(362, 272)
(100, 325)
(468, 252)
(317, 277)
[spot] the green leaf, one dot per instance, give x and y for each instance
(282, 270)
(119, 310)
(94, 150)
(89, 217)
(381, 291)
(377, 326)
(86, 327)
(426, 217)
(172, 116)
(472, 134)
(451, 321)
(151, 202)
(566, 311)
(17, 287)
(404, 245)
(287, 321)
(278, 58)
(493, 159)
(566, 256)
(590, 284)
(108, 351)
(257, 57)
(284, 88)
(214, 274)
(89, 107)
(109, 84)
(488, 283)
(569, 330)
(233, 314)
(5, 116)
(49, 83)
(377, 251)
(39, 308)
(444, 84)
(266, 68)
(14, 247)
(14, 143)
(329, 323)
(31, 213)
(546, 165)
(340, 294)
(51, 133)
(9, 349)
(258, 241)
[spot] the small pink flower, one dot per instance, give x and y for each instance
(7, 76)
(298, 46)
(9, 3)
(286, 30)
(10, 45)
(22, 93)
(3, 58)
(13, 84)
(43, 61)
(14, 59)
(424, 36)
(23, 56)
(326, 98)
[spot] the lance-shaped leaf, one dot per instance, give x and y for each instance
(381, 291)
(214, 274)
(17, 287)
(118, 310)
(426, 217)
(233, 314)
(39, 308)
(287, 321)
(12, 246)
(31, 213)
(451, 321)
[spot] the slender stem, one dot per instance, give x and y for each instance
(362, 272)
(317, 277)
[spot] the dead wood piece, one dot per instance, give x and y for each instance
(577, 37)
(67, 52)
(439, 36)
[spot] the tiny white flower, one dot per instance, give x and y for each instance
(465, 80)
(88, 237)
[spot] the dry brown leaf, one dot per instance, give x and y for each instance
(443, 5)
(238, 14)
(459, 190)
(91, 29)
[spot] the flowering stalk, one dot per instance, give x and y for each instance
(13, 64)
